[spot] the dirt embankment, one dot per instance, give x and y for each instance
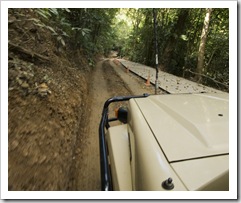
(46, 96)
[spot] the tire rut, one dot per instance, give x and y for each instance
(104, 83)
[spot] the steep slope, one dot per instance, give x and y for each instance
(46, 93)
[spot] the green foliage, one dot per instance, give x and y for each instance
(179, 32)
(131, 32)
(54, 20)
(90, 30)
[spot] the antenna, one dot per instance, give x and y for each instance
(156, 48)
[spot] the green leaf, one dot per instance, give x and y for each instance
(65, 34)
(59, 38)
(62, 41)
(51, 29)
(39, 24)
(76, 28)
(35, 20)
(54, 11)
(44, 13)
(66, 9)
(184, 37)
(85, 31)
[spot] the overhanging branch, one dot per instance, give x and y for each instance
(207, 77)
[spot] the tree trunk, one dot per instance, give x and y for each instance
(201, 51)
(177, 30)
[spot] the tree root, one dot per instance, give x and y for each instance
(29, 53)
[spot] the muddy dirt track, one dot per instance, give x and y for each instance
(108, 80)
(53, 141)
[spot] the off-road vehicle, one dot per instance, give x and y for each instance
(166, 142)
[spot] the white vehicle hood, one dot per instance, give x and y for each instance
(188, 126)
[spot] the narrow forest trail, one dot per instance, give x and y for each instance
(107, 80)
(86, 176)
